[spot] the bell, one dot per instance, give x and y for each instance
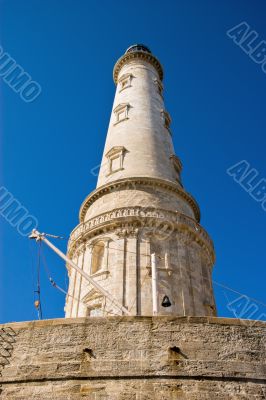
(166, 302)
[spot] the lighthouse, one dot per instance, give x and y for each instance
(141, 317)
(140, 211)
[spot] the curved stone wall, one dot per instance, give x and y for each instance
(142, 192)
(184, 256)
(139, 197)
(147, 142)
(134, 358)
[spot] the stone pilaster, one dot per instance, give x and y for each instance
(132, 273)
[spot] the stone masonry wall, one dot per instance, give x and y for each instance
(134, 358)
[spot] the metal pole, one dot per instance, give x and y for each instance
(41, 236)
(154, 284)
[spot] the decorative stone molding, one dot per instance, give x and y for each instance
(168, 271)
(121, 233)
(115, 158)
(166, 119)
(121, 112)
(79, 251)
(126, 58)
(103, 273)
(89, 247)
(91, 295)
(123, 184)
(126, 220)
(159, 86)
(93, 300)
(125, 81)
(176, 163)
(130, 231)
(105, 239)
(133, 233)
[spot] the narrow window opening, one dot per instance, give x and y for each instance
(97, 257)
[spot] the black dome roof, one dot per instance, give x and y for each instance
(138, 47)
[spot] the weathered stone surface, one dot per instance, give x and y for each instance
(124, 358)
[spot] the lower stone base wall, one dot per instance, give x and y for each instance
(133, 358)
(139, 389)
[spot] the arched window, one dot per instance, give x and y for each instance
(97, 257)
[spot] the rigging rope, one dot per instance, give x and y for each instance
(37, 302)
(32, 270)
(53, 283)
(160, 257)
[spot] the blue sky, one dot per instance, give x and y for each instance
(214, 92)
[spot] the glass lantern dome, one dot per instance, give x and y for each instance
(138, 47)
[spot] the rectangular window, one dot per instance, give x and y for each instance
(121, 112)
(121, 115)
(115, 157)
(115, 164)
(125, 81)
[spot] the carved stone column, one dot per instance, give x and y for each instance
(165, 280)
(106, 254)
(184, 269)
(196, 278)
(84, 284)
(119, 269)
(88, 259)
(78, 282)
(145, 273)
(133, 299)
(71, 289)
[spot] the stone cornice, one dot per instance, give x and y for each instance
(137, 182)
(131, 217)
(173, 320)
(137, 55)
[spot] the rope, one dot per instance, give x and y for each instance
(37, 302)
(32, 270)
(235, 291)
(162, 258)
(112, 248)
(54, 236)
(53, 283)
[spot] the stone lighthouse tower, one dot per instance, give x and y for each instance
(140, 207)
(138, 224)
